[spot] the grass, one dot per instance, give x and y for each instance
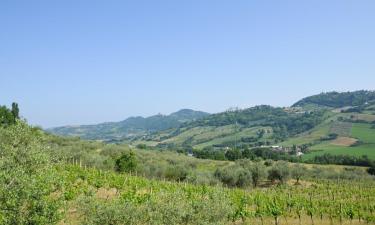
(311, 136)
(308, 137)
(201, 137)
(365, 149)
(365, 116)
(360, 131)
(248, 132)
(364, 133)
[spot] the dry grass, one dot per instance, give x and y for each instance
(344, 141)
(103, 193)
(304, 221)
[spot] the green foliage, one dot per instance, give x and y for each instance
(337, 99)
(141, 201)
(279, 171)
(127, 162)
(7, 117)
(176, 172)
(258, 172)
(282, 122)
(298, 171)
(15, 110)
(177, 207)
(371, 170)
(27, 178)
(234, 176)
(233, 154)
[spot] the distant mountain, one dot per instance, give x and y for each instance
(338, 99)
(131, 127)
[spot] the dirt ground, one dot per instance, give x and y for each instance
(344, 141)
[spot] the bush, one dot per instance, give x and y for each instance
(176, 172)
(126, 163)
(27, 178)
(371, 170)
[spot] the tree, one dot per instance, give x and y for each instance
(15, 110)
(248, 154)
(233, 154)
(27, 178)
(234, 176)
(6, 116)
(258, 172)
(298, 171)
(371, 170)
(127, 162)
(279, 171)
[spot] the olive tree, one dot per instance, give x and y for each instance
(298, 171)
(279, 171)
(258, 172)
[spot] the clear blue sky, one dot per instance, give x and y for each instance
(82, 62)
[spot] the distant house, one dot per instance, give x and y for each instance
(277, 148)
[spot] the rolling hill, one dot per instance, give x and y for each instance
(324, 123)
(129, 128)
(324, 127)
(338, 99)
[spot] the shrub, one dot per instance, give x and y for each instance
(27, 178)
(371, 170)
(127, 162)
(176, 172)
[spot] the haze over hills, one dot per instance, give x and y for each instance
(342, 122)
(133, 126)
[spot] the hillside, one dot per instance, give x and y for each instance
(316, 131)
(338, 99)
(131, 127)
(314, 126)
(255, 126)
(57, 180)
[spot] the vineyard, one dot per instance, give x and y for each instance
(97, 197)
(47, 180)
(341, 128)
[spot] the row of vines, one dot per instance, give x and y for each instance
(339, 202)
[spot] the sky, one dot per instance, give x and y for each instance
(84, 62)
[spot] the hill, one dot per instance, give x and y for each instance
(313, 126)
(131, 127)
(318, 130)
(47, 179)
(252, 127)
(338, 99)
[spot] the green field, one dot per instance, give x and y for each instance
(362, 132)
(308, 137)
(200, 137)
